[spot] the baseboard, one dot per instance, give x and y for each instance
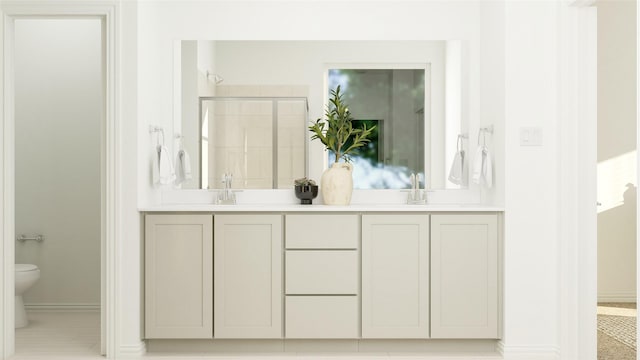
(429, 348)
(63, 307)
(523, 352)
(627, 296)
(134, 350)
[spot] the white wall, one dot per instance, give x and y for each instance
(531, 179)
(59, 106)
(188, 124)
(163, 22)
(492, 97)
(132, 130)
(617, 151)
(513, 48)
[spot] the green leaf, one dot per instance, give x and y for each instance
(336, 129)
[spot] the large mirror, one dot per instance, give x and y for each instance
(244, 108)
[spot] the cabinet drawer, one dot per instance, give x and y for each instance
(321, 317)
(322, 231)
(322, 272)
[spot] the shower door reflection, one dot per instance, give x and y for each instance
(261, 141)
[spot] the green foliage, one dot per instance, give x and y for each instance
(336, 131)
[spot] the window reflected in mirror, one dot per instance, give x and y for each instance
(392, 100)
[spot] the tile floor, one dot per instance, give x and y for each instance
(76, 336)
(59, 335)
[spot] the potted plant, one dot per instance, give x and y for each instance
(337, 134)
(306, 190)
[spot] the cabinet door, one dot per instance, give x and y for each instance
(464, 276)
(395, 276)
(248, 276)
(178, 276)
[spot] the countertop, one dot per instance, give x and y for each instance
(321, 208)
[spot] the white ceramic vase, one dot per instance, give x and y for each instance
(337, 184)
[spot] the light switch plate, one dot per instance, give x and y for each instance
(530, 136)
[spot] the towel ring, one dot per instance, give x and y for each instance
(180, 142)
(160, 143)
(484, 137)
(460, 141)
(159, 130)
(484, 131)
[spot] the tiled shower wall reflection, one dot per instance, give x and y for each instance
(238, 137)
(292, 125)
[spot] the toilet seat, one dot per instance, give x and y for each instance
(25, 267)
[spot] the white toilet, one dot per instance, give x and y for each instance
(26, 276)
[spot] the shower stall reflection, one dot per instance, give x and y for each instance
(260, 140)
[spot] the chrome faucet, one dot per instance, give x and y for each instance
(416, 196)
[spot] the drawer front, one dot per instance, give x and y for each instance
(322, 231)
(321, 317)
(322, 272)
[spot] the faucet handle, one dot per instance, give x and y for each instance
(226, 180)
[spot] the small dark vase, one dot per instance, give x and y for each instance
(306, 193)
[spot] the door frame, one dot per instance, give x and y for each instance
(109, 163)
(577, 232)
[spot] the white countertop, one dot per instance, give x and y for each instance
(321, 208)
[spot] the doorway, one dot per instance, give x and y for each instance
(617, 179)
(59, 107)
(108, 163)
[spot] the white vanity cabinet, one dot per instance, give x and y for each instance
(247, 276)
(322, 276)
(395, 276)
(178, 276)
(464, 276)
(374, 279)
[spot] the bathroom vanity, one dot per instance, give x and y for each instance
(362, 274)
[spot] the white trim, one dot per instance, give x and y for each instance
(132, 351)
(577, 74)
(111, 188)
(8, 186)
(586, 240)
(518, 352)
(638, 158)
(108, 11)
(583, 3)
(627, 297)
(63, 307)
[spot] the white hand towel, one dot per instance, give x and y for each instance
(483, 167)
(476, 174)
(487, 168)
(165, 167)
(183, 167)
(455, 174)
(155, 166)
(465, 168)
(459, 173)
